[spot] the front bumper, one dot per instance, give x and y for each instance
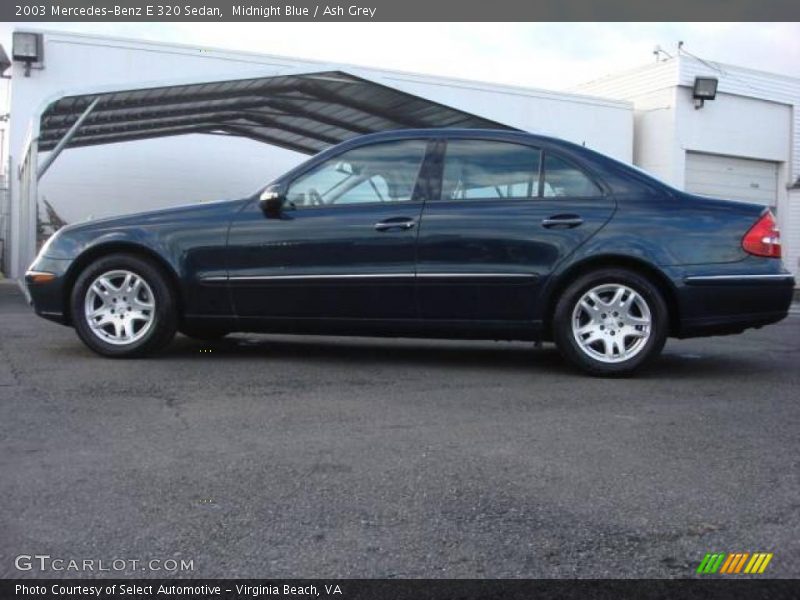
(48, 298)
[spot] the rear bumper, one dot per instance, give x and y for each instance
(730, 303)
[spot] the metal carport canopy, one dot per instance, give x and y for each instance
(301, 112)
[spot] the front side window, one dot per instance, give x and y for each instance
(563, 179)
(383, 172)
(479, 169)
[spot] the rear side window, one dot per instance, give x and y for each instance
(563, 179)
(478, 169)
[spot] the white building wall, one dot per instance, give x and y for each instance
(133, 176)
(652, 90)
(790, 231)
(655, 144)
(734, 126)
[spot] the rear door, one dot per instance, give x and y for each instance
(505, 215)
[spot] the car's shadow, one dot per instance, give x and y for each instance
(371, 351)
(674, 363)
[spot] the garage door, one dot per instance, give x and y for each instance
(732, 178)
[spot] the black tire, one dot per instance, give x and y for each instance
(164, 314)
(204, 335)
(642, 354)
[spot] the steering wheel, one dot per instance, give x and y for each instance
(315, 198)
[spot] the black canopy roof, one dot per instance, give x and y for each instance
(306, 113)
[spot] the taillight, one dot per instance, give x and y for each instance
(763, 238)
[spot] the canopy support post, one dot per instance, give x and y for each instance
(66, 139)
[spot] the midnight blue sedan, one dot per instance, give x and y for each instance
(429, 233)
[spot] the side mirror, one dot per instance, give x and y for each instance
(271, 202)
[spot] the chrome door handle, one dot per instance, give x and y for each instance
(564, 221)
(399, 223)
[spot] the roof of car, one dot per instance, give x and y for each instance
(456, 132)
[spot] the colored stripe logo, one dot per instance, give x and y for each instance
(735, 563)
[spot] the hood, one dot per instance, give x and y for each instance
(146, 228)
(161, 215)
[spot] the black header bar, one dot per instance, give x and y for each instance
(396, 10)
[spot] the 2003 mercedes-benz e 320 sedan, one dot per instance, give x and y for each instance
(429, 233)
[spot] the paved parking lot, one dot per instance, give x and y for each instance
(274, 456)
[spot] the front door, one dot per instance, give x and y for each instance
(506, 215)
(344, 245)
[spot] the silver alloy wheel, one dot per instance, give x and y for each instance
(119, 307)
(611, 323)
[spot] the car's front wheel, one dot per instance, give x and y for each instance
(122, 306)
(611, 322)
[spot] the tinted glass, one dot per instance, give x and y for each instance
(385, 172)
(563, 179)
(476, 169)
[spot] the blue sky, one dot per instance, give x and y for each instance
(544, 55)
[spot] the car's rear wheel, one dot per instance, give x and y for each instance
(611, 322)
(122, 306)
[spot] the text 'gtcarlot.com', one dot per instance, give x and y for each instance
(45, 562)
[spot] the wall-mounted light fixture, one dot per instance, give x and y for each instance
(705, 88)
(27, 47)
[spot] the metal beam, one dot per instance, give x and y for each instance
(91, 129)
(401, 115)
(120, 101)
(244, 131)
(265, 121)
(289, 108)
(101, 115)
(172, 105)
(389, 114)
(65, 140)
(114, 138)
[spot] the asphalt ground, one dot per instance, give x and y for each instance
(278, 456)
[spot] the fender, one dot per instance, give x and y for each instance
(189, 243)
(641, 263)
